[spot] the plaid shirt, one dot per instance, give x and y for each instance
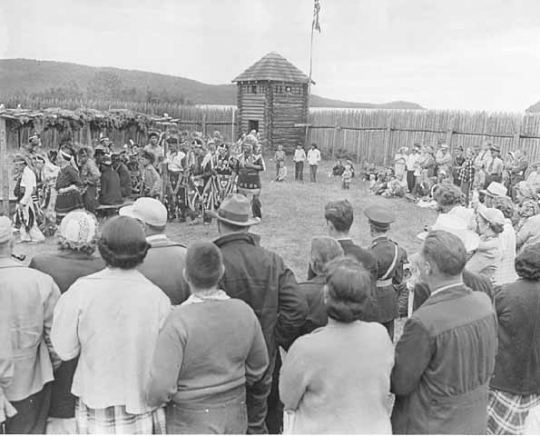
(466, 174)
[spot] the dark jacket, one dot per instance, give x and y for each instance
(444, 361)
(261, 279)
(125, 179)
(164, 267)
(474, 281)
(65, 268)
(362, 255)
(312, 292)
(517, 367)
(383, 249)
(110, 193)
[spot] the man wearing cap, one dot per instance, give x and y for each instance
(176, 192)
(31, 297)
(104, 145)
(165, 260)
(262, 280)
(446, 355)
(444, 159)
(390, 260)
(29, 150)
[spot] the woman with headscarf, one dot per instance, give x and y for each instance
(68, 185)
(515, 384)
(337, 379)
(487, 258)
(111, 320)
(28, 204)
(75, 258)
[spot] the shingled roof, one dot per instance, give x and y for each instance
(273, 67)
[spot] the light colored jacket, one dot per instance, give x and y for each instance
(111, 319)
(30, 297)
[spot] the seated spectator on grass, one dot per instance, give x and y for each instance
(396, 187)
(327, 384)
(282, 172)
(323, 250)
(337, 169)
(515, 385)
(110, 192)
(208, 349)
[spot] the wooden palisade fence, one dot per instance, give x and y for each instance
(374, 135)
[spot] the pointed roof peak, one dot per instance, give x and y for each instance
(273, 67)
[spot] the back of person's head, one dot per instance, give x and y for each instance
(446, 252)
(340, 214)
(447, 195)
(527, 263)
(204, 265)
(323, 250)
(148, 156)
(349, 290)
(505, 205)
(123, 243)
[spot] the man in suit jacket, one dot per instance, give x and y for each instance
(165, 261)
(339, 216)
(446, 355)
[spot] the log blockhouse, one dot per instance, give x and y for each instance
(273, 97)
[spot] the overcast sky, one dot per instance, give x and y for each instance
(454, 54)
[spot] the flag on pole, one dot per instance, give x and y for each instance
(316, 10)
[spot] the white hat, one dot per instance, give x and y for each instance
(491, 215)
(148, 210)
(444, 145)
(495, 189)
(458, 227)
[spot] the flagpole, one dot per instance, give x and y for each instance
(311, 56)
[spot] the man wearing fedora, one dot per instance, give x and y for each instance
(494, 167)
(260, 278)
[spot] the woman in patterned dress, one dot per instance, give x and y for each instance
(68, 185)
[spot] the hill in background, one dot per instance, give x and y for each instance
(49, 79)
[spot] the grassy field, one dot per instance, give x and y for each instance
(293, 213)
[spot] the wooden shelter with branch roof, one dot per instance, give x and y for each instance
(66, 122)
(273, 98)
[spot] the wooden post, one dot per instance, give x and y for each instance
(517, 135)
(449, 132)
(387, 137)
(204, 124)
(233, 138)
(4, 167)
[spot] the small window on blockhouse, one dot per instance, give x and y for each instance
(254, 89)
(288, 90)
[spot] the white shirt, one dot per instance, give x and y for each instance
(314, 156)
(299, 155)
(412, 159)
(29, 182)
(174, 161)
(506, 273)
(111, 319)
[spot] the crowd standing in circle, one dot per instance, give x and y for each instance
(123, 330)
